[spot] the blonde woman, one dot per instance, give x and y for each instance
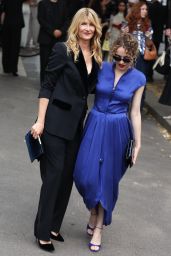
(70, 75)
(101, 161)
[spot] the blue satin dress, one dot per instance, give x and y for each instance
(101, 163)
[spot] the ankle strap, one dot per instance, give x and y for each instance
(93, 213)
(99, 227)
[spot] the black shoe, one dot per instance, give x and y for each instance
(58, 238)
(15, 73)
(46, 247)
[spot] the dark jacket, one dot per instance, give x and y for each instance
(13, 13)
(157, 10)
(1, 6)
(74, 6)
(169, 14)
(52, 16)
(65, 88)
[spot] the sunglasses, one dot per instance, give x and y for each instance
(124, 59)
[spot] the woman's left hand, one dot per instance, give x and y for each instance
(135, 154)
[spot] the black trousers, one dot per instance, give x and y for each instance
(11, 38)
(56, 166)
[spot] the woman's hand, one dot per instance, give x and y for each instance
(135, 154)
(37, 129)
(125, 29)
(57, 33)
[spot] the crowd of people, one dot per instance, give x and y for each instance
(114, 16)
(96, 46)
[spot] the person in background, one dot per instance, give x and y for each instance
(1, 18)
(165, 97)
(104, 8)
(74, 6)
(1, 10)
(157, 17)
(25, 30)
(139, 25)
(70, 75)
(116, 21)
(54, 21)
(101, 160)
(131, 4)
(33, 25)
(168, 22)
(11, 35)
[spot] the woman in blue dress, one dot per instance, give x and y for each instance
(101, 160)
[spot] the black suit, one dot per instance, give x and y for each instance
(168, 22)
(11, 34)
(51, 16)
(67, 87)
(157, 10)
(74, 6)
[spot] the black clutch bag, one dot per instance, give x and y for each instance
(34, 146)
(129, 152)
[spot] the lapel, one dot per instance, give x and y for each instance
(79, 69)
(94, 75)
(82, 71)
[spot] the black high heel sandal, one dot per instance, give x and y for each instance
(46, 247)
(58, 238)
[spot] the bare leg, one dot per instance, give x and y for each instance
(96, 239)
(92, 221)
(45, 242)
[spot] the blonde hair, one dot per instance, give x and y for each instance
(72, 42)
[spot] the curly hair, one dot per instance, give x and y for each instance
(72, 42)
(134, 17)
(129, 43)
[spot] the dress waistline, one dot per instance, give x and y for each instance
(108, 112)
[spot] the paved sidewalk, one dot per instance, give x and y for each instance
(158, 110)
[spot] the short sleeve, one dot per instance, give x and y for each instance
(141, 79)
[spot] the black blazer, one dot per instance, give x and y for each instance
(169, 14)
(157, 10)
(65, 89)
(74, 6)
(52, 16)
(13, 13)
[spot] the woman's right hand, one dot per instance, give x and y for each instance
(37, 129)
